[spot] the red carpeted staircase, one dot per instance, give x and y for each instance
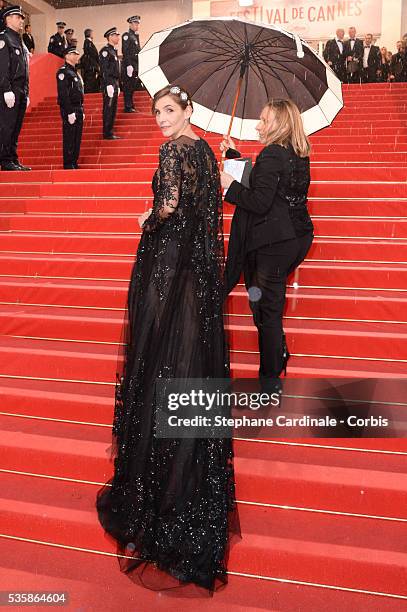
(324, 522)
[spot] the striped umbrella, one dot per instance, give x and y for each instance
(232, 67)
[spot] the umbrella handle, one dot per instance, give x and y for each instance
(222, 161)
(232, 116)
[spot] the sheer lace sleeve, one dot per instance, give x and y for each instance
(167, 194)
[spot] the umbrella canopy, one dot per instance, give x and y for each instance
(207, 56)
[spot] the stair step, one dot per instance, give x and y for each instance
(384, 209)
(345, 551)
(97, 363)
(358, 249)
(84, 299)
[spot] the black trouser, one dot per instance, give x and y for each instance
(129, 87)
(269, 267)
(128, 97)
(353, 77)
(91, 81)
(339, 70)
(72, 136)
(369, 75)
(109, 112)
(11, 121)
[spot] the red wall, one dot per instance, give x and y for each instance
(43, 67)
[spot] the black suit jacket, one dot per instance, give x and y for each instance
(357, 52)
(398, 66)
(28, 40)
(332, 54)
(373, 64)
(90, 57)
(272, 209)
(373, 60)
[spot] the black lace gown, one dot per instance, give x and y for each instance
(171, 505)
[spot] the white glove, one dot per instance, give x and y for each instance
(118, 91)
(28, 102)
(9, 98)
(130, 71)
(110, 91)
(71, 118)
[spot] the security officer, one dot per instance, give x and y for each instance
(13, 86)
(110, 74)
(130, 51)
(57, 43)
(70, 100)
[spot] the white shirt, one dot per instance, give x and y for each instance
(352, 43)
(366, 52)
(340, 44)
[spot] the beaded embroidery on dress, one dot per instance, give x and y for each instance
(170, 504)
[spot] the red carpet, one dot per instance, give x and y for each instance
(323, 521)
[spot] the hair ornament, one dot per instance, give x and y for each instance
(178, 91)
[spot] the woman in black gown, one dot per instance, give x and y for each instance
(271, 230)
(171, 502)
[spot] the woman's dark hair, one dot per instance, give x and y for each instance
(87, 32)
(177, 93)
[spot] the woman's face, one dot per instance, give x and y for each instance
(265, 123)
(171, 118)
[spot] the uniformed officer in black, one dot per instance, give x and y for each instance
(57, 43)
(13, 87)
(110, 74)
(130, 51)
(70, 100)
(90, 64)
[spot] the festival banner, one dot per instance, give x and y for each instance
(311, 19)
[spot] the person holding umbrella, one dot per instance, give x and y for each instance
(272, 231)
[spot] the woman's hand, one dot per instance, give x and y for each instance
(226, 180)
(144, 216)
(227, 143)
